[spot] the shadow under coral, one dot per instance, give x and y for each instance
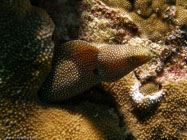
(96, 108)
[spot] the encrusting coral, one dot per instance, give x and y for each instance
(26, 47)
(122, 4)
(25, 58)
(155, 18)
(82, 121)
(152, 114)
(102, 24)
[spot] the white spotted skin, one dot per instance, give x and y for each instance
(72, 71)
(79, 65)
(115, 61)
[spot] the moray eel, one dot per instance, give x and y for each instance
(79, 65)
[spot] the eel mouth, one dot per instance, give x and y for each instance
(148, 57)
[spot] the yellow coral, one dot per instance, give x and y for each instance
(182, 3)
(26, 47)
(164, 120)
(143, 8)
(152, 27)
(181, 18)
(122, 4)
(25, 58)
(158, 4)
(154, 16)
(83, 121)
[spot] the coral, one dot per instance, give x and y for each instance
(152, 27)
(152, 114)
(65, 16)
(122, 4)
(157, 5)
(25, 58)
(154, 18)
(182, 3)
(102, 24)
(79, 65)
(181, 18)
(81, 121)
(26, 47)
(143, 8)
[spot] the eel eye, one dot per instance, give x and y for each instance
(133, 59)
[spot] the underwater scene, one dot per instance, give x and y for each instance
(93, 69)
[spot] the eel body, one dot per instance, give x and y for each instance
(79, 65)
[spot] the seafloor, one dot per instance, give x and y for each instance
(150, 103)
